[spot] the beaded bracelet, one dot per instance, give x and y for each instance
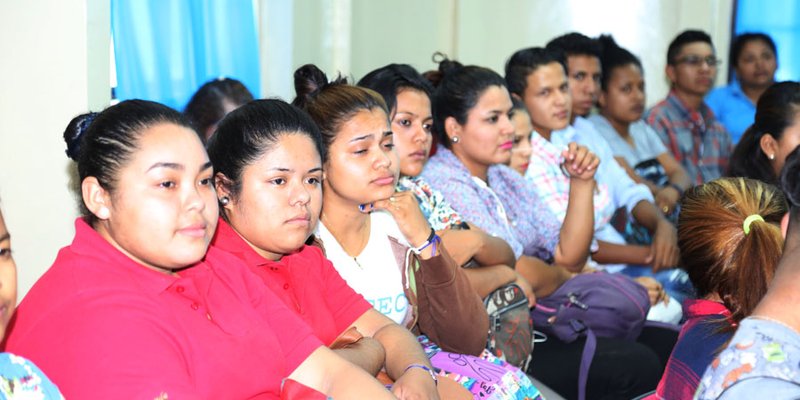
(426, 368)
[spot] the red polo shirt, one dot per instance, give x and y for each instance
(103, 326)
(306, 281)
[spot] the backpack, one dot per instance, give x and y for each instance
(593, 305)
(510, 325)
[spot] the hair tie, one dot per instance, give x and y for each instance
(749, 220)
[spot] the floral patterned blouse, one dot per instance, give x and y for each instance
(20, 379)
(435, 208)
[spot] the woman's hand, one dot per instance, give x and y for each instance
(654, 290)
(405, 209)
(415, 383)
(666, 199)
(579, 162)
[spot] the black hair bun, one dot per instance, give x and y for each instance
(73, 135)
(308, 81)
(607, 42)
(446, 65)
(789, 177)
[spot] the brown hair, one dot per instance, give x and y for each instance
(719, 257)
(331, 104)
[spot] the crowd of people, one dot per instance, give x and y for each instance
(347, 244)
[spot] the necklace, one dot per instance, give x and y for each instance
(363, 244)
(358, 264)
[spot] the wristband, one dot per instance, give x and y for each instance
(430, 241)
(425, 368)
(677, 188)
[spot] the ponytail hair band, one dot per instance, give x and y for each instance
(749, 220)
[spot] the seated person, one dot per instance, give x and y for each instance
(407, 94)
(754, 58)
(730, 240)
(213, 101)
(761, 359)
(472, 110)
(19, 378)
(269, 179)
(635, 145)
(537, 77)
(683, 121)
(774, 134)
(136, 307)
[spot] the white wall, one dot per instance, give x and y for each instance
(55, 66)
(478, 32)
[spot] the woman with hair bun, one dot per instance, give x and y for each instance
(136, 307)
(472, 120)
(730, 241)
(774, 134)
(212, 101)
(382, 244)
(268, 160)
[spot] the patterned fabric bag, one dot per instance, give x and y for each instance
(486, 377)
(510, 325)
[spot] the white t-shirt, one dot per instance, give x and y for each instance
(374, 273)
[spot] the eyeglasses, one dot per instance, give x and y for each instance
(697, 61)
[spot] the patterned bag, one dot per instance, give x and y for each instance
(510, 325)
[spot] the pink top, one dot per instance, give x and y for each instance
(306, 281)
(104, 326)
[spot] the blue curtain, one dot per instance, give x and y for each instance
(780, 19)
(166, 49)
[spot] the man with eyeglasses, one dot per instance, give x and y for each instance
(683, 120)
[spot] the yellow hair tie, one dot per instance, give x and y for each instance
(749, 220)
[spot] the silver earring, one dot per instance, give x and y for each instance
(455, 139)
(772, 156)
(224, 200)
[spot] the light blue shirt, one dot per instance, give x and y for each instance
(646, 143)
(733, 108)
(623, 190)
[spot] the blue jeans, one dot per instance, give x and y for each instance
(675, 281)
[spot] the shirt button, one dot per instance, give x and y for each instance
(208, 316)
(286, 286)
(273, 268)
(180, 289)
(195, 306)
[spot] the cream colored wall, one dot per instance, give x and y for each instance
(481, 32)
(55, 65)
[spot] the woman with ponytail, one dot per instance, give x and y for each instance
(730, 241)
(774, 134)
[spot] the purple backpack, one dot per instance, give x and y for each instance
(592, 305)
(611, 305)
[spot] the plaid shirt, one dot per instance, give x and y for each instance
(695, 137)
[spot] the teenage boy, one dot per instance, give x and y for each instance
(684, 122)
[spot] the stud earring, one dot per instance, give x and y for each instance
(455, 139)
(772, 156)
(224, 200)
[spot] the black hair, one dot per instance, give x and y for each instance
(613, 56)
(518, 104)
(251, 130)
(776, 110)
(684, 38)
(459, 90)
(389, 80)
(207, 106)
(102, 143)
(575, 44)
(524, 62)
(790, 183)
(331, 104)
(741, 40)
